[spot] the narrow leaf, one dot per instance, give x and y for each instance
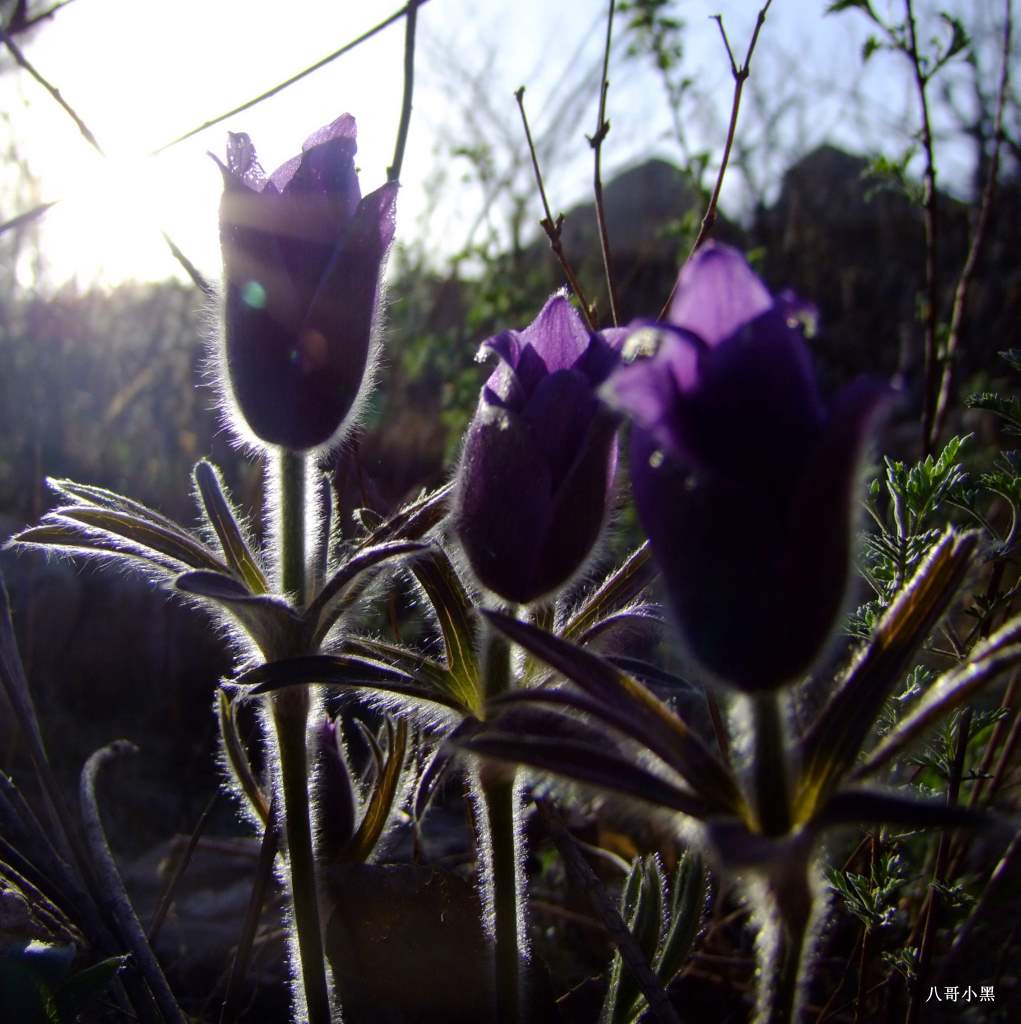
(427, 670)
(863, 806)
(454, 612)
(834, 740)
(999, 654)
(100, 497)
(340, 670)
(415, 520)
(586, 762)
(78, 539)
(153, 536)
(642, 616)
(268, 619)
(319, 611)
(237, 758)
(620, 588)
(664, 733)
(224, 520)
(687, 901)
(377, 814)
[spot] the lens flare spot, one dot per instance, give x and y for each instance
(313, 349)
(253, 295)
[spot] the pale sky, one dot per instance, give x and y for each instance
(141, 72)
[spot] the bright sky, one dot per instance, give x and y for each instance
(141, 72)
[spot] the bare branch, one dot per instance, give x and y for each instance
(596, 142)
(393, 172)
(977, 240)
(329, 58)
(740, 75)
(551, 226)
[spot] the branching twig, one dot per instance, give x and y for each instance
(931, 221)
(596, 142)
(393, 172)
(549, 225)
(329, 58)
(740, 76)
(977, 241)
(112, 886)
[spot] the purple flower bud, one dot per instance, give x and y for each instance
(334, 789)
(302, 256)
(744, 481)
(539, 457)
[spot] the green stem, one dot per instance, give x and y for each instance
(499, 797)
(769, 765)
(290, 717)
(792, 908)
(505, 854)
(291, 524)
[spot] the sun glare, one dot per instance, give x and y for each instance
(108, 227)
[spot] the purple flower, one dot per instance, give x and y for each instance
(539, 457)
(744, 480)
(302, 255)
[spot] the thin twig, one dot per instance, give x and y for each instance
(27, 217)
(112, 885)
(630, 951)
(54, 92)
(1005, 868)
(393, 172)
(19, 695)
(596, 142)
(964, 282)
(931, 906)
(160, 914)
(43, 15)
(329, 58)
(551, 226)
(189, 268)
(740, 76)
(239, 966)
(931, 221)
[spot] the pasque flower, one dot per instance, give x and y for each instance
(302, 255)
(744, 480)
(539, 457)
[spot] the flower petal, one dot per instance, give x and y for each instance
(557, 334)
(503, 502)
(717, 292)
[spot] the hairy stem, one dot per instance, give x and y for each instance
(770, 794)
(290, 718)
(505, 855)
